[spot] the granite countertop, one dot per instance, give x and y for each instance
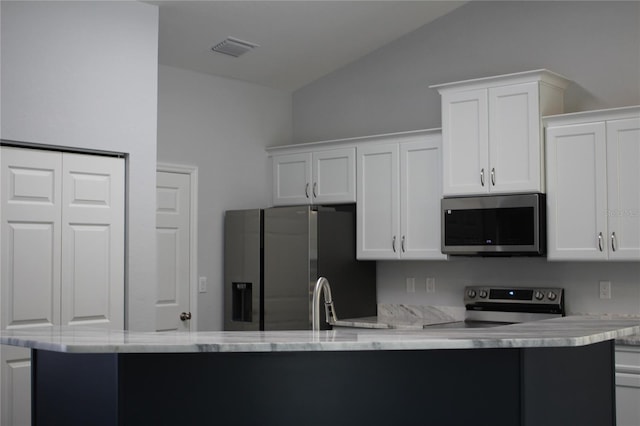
(567, 331)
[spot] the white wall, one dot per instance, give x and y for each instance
(596, 44)
(84, 75)
(579, 279)
(593, 43)
(222, 126)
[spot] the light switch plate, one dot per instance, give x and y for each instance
(202, 284)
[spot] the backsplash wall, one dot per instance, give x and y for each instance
(579, 279)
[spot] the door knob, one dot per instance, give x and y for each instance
(185, 316)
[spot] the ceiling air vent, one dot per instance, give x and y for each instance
(234, 47)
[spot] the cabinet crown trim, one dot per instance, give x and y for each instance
(595, 115)
(542, 75)
(328, 144)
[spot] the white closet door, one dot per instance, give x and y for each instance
(173, 203)
(30, 280)
(31, 238)
(93, 241)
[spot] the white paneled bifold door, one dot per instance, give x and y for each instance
(62, 253)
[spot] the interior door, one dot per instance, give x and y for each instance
(62, 253)
(173, 215)
(30, 290)
(93, 241)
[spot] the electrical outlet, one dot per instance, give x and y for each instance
(431, 285)
(605, 289)
(411, 285)
(202, 284)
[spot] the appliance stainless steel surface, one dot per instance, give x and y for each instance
(496, 225)
(488, 306)
(273, 258)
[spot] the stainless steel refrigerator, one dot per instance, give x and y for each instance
(273, 257)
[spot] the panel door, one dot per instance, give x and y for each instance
(31, 238)
(421, 190)
(292, 179)
(576, 192)
(514, 139)
(623, 182)
(465, 148)
(173, 244)
(15, 371)
(334, 176)
(378, 202)
(30, 279)
(93, 241)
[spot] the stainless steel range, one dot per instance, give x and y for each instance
(488, 306)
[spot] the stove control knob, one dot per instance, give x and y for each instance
(539, 295)
(471, 294)
(552, 296)
(483, 294)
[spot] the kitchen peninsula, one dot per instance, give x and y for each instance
(551, 372)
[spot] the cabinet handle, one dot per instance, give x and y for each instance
(402, 244)
(482, 177)
(613, 241)
(306, 190)
(393, 244)
(493, 176)
(600, 241)
(315, 189)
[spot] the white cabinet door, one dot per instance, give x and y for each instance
(421, 190)
(292, 179)
(93, 241)
(378, 199)
(514, 139)
(334, 176)
(623, 183)
(15, 372)
(576, 195)
(627, 385)
(319, 177)
(173, 245)
(465, 148)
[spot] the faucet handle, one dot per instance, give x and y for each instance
(330, 312)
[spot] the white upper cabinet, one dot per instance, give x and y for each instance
(314, 177)
(593, 179)
(492, 132)
(399, 191)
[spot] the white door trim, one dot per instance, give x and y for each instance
(192, 171)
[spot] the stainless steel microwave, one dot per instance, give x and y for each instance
(494, 225)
